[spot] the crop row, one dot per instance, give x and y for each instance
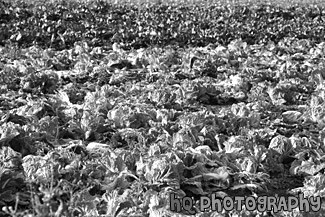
(101, 23)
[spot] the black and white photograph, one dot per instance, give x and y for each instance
(162, 108)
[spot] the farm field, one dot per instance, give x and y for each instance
(124, 108)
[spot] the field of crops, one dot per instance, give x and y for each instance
(121, 108)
